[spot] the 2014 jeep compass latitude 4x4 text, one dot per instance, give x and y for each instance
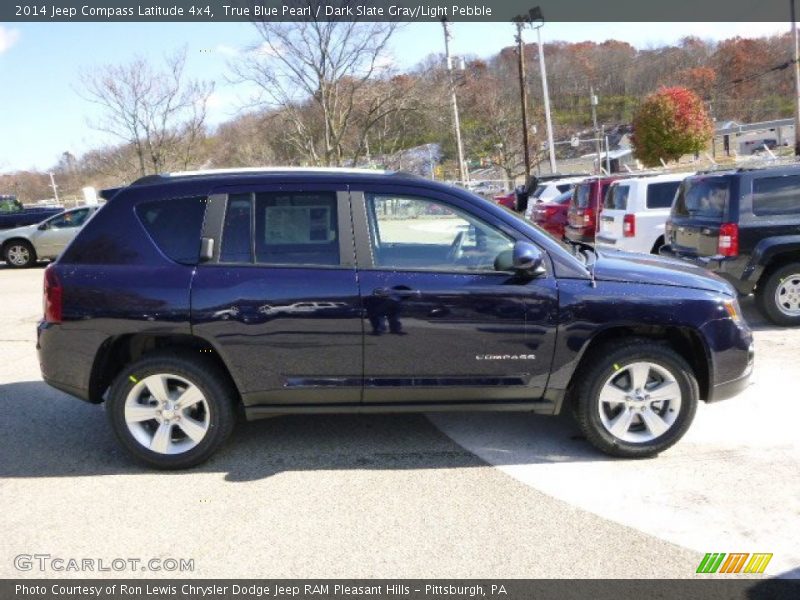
(191, 296)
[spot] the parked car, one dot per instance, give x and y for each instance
(550, 190)
(23, 246)
(635, 211)
(157, 308)
(552, 216)
(13, 214)
(507, 199)
(584, 208)
(745, 226)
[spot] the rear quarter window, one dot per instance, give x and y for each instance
(776, 195)
(174, 225)
(661, 195)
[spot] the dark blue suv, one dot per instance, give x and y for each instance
(191, 296)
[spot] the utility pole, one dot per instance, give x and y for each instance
(54, 186)
(523, 98)
(593, 103)
(796, 65)
(546, 94)
(463, 171)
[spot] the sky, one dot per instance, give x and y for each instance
(42, 113)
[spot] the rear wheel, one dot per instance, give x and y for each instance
(171, 412)
(779, 296)
(19, 254)
(637, 399)
(657, 246)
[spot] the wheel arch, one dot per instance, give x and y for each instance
(9, 241)
(116, 352)
(683, 340)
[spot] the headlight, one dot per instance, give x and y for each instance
(733, 310)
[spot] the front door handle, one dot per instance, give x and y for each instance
(402, 291)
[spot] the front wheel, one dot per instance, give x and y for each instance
(637, 399)
(19, 254)
(171, 412)
(779, 297)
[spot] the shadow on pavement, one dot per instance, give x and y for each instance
(46, 433)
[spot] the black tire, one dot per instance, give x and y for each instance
(657, 246)
(766, 300)
(613, 358)
(22, 247)
(217, 391)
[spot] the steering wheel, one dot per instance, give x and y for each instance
(456, 248)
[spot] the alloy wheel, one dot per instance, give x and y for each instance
(787, 295)
(167, 413)
(639, 402)
(18, 255)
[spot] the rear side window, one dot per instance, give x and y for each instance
(617, 197)
(237, 239)
(299, 228)
(538, 191)
(706, 198)
(776, 195)
(661, 195)
(564, 187)
(174, 225)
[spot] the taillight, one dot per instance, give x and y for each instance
(629, 226)
(53, 296)
(588, 216)
(728, 244)
(668, 230)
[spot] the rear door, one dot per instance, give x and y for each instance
(279, 298)
(701, 206)
(442, 324)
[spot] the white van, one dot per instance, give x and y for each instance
(635, 211)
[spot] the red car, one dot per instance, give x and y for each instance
(552, 216)
(508, 200)
(583, 213)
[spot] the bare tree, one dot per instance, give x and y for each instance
(160, 113)
(315, 73)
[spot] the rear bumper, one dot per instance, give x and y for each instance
(729, 268)
(578, 235)
(62, 367)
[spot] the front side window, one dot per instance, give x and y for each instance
(776, 195)
(73, 218)
(418, 233)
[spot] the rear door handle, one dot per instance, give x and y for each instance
(402, 291)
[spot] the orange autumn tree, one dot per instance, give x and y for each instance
(670, 123)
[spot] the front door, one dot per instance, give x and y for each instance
(442, 325)
(279, 298)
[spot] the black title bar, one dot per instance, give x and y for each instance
(393, 10)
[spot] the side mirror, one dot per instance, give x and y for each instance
(527, 259)
(43, 227)
(524, 258)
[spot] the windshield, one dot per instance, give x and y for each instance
(706, 198)
(582, 195)
(562, 198)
